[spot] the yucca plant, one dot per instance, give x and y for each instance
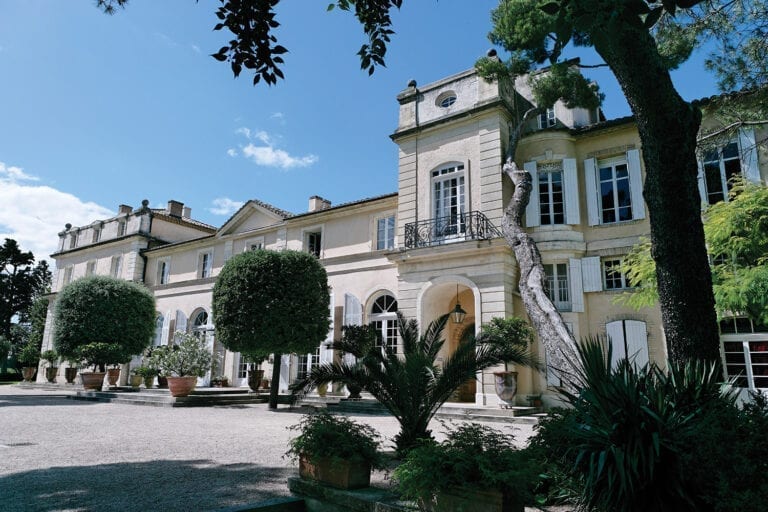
(627, 428)
(411, 385)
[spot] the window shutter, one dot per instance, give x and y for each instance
(228, 250)
(285, 370)
(637, 342)
(166, 328)
(571, 182)
(615, 332)
(702, 186)
(749, 164)
(532, 217)
(353, 310)
(592, 278)
(281, 239)
(326, 354)
(635, 184)
(590, 184)
(577, 291)
(181, 321)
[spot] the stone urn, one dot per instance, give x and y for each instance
(506, 387)
(92, 380)
(70, 374)
(28, 373)
(135, 381)
(255, 378)
(51, 373)
(112, 375)
(181, 386)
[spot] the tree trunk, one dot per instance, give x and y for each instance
(275, 384)
(559, 344)
(668, 126)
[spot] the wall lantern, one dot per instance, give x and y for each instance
(458, 314)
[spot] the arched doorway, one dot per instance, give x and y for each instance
(383, 316)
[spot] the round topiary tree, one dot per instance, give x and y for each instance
(104, 320)
(271, 302)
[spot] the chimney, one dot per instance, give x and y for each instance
(124, 208)
(175, 208)
(186, 212)
(317, 203)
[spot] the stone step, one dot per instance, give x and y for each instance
(162, 398)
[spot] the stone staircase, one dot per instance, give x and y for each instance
(201, 397)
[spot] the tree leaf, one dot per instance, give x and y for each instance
(550, 8)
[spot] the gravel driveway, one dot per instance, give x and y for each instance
(58, 454)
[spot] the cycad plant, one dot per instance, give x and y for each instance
(411, 385)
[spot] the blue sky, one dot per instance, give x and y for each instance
(100, 110)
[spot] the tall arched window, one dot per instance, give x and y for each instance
(448, 200)
(384, 317)
(200, 324)
(159, 323)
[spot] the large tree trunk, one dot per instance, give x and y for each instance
(275, 384)
(668, 126)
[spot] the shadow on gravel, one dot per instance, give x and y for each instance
(46, 399)
(167, 485)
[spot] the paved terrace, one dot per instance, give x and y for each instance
(58, 454)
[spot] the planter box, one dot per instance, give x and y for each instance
(342, 474)
(93, 380)
(461, 500)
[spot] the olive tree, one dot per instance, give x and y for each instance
(104, 320)
(271, 302)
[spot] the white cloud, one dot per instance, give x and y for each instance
(279, 117)
(266, 154)
(195, 48)
(33, 215)
(225, 206)
(232, 152)
(271, 157)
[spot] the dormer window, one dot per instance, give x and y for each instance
(547, 119)
(446, 99)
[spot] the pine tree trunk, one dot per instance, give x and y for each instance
(668, 126)
(275, 384)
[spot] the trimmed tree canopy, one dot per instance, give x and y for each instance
(102, 309)
(266, 301)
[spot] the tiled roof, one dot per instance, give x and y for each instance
(344, 205)
(164, 213)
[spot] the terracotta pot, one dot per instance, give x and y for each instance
(181, 386)
(264, 383)
(51, 373)
(28, 373)
(93, 380)
(506, 386)
(255, 378)
(339, 473)
(70, 374)
(135, 381)
(112, 375)
(148, 381)
(471, 500)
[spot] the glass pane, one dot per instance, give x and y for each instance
(621, 171)
(727, 326)
(743, 325)
(759, 357)
(758, 346)
(761, 382)
(606, 173)
(731, 151)
(735, 358)
(733, 346)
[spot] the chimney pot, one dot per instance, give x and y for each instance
(187, 212)
(124, 208)
(317, 203)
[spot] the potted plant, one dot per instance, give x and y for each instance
(183, 362)
(255, 373)
(98, 355)
(154, 355)
(29, 357)
(516, 332)
(335, 450)
(220, 382)
(147, 373)
(51, 370)
(70, 372)
(476, 468)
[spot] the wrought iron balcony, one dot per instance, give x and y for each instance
(453, 228)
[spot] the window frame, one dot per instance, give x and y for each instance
(388, 243)
(624, 283)
(90, 268)
(163, 274)
(439, 176)
(116, 266)
(563, 284)
(250, 243)
(385, 321)
(307, 235)
(722, 171)
(122, 227)
(548, 171)
(547, 119)
(205, 256)
(613, 164)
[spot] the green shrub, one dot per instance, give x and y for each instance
(472, 457)
(51, 357)
(29, 355)
(145, 371)
(188, 357)
(323, 435)
(5, 348)
(99, 355)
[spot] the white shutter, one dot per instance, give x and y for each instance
(592, 278)
(553, 376)
(749, 163)
(571, 184)
(285, 370)
(353, 310)
(635, 184)
(615, 332)
(228, 250)
(590, 184)
(532, 217)
(637, 342)
(326, 354)
(181, 321)
(281, 239)
(166, 328)
(702, 186)
(577, 291)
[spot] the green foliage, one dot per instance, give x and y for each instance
(104, 310)
(5, 348)
(145, 371)
(50, 356)
(21, 282)
(411, 385)
(29, 355)
(623, 445)
(512, 331)
(737, 240)
(472, 457)
(323, 435)
(187, 357)
(99, 355)
(268, 301)
(564, 82)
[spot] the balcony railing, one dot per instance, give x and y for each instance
(453, 228)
